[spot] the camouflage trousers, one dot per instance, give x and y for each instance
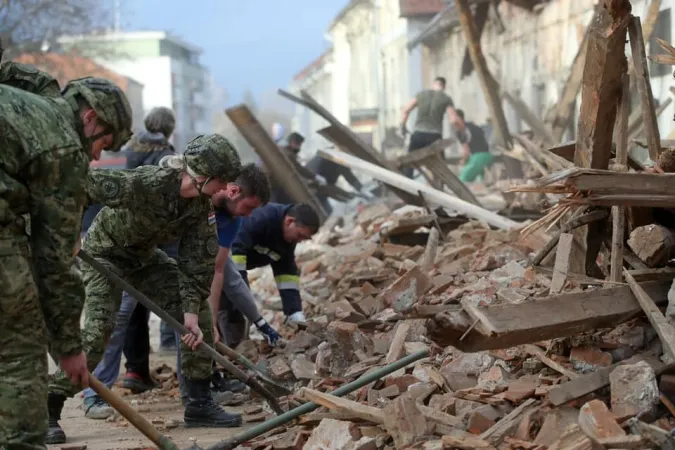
(23, 354)
(157, 278)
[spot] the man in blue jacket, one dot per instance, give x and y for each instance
(268, 237)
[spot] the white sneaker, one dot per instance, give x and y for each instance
(97, 408)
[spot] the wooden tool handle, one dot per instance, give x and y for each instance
(131, 415)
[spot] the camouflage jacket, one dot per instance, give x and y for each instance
(43, 168)
(144, 209)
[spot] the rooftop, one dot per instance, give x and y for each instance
(135, 35)
(70, 66)
(318, 62)
(414, 8)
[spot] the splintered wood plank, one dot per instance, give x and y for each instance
(621, 165)
(538, 320)
(541, 355)
(506, 424)
(488, 83)
(343, 405)
(396, 349)
(664, 329)
(644, 86)
(602, 83)
(539, 128)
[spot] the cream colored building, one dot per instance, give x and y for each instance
(370, 73)
(529, 53)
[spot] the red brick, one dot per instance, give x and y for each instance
(597, 421)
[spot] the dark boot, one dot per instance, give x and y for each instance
(55, 434)
(202, 411)
(222, 384)
(138, 383)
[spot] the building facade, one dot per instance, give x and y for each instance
(369, 74)
(170, 70)
(530, 54)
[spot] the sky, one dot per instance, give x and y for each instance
(248, 44)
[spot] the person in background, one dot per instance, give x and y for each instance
(476, 156)
(330, 171)
(292, 149)
(131, 333)
(432, 104)
(268, 237)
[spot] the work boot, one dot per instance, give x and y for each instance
(222, 384)
(202, 411)
(97, 408)
(55, 434)
(138, 384)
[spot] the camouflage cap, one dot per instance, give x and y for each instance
(212, 155)
(109, 102)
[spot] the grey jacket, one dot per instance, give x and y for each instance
(238, 293)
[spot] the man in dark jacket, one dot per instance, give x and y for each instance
(131, 333)
(331, 171)
(268, 237)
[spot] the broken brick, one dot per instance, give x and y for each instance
(598, 422)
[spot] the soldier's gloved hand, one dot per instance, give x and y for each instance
(297, 317)
(195, 335)
(75, 366)
(269, 332)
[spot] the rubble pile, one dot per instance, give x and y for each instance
(368, 302)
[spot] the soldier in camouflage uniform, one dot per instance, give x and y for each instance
(147, 207)
(47, 141)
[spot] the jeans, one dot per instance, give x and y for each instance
(109, 368)
(166, 336)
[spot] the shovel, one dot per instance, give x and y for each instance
(134, 418)
(145, 301)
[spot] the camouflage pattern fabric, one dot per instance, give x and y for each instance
(43, 169)
(143, 210)
(212, 155)
(109, 102)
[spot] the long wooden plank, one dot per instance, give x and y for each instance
(602, 83)
(664, 329)
(420, 155)
(609, 182)
(566, 150)
(281, 168)
(432, 195)
(644, 86)
(488, 82)
(553, 317)
(441, 172)
(343, 405)
(621, 165)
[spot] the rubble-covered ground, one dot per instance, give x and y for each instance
(366, 298)
(369, 287)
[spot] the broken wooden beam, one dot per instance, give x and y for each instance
(602, 83)
(561, 114)
(541, 319)
(566, 151)
(488, 82)
(432, 195)
(280, 168)
(422, 154)
(644, 86)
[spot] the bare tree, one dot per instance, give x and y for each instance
(30, 26)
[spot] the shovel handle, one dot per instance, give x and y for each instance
(131, 415)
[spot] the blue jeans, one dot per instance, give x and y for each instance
(109, 368)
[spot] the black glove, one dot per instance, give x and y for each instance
(268, 331)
